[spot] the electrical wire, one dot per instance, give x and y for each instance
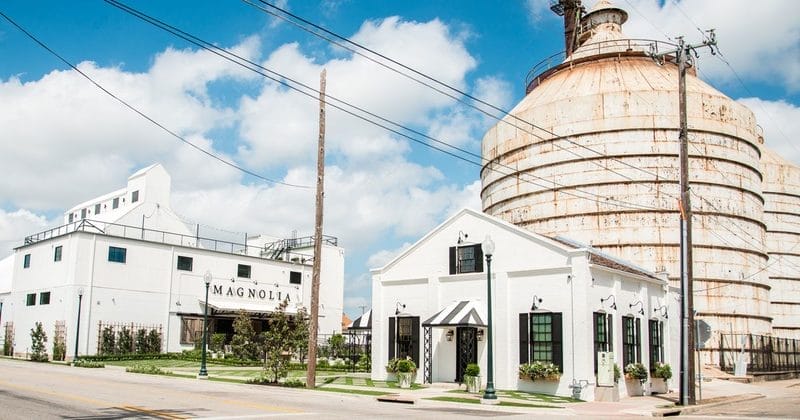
(142, 114)
(367, 115)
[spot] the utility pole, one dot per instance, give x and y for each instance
(683, 57)
(311, 374)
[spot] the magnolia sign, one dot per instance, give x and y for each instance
(249, 293)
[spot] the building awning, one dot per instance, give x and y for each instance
(364, 322)
(223, 306)
(466, 313)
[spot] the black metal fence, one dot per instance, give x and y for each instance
(762, 353)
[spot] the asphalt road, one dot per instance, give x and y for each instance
(48, 391)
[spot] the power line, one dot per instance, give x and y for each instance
(342, 105)
(142, 114)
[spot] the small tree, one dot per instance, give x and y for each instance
(59, 347)
(108, 341)
(38, 340)
(337, 345)
(154, 342)
(300, 332)
(280, 341)
(141, 341)
(217, 342)
(244, 343)
(124, 341)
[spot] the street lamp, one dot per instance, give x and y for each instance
(489, 396)
(78, 326)
(203, 372)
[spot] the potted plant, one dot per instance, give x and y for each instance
(541, 371)
(472, 378)
(661, 375)
(636, 374)
(405, 371)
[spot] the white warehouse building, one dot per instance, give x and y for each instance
(126, 260)
(553, 300)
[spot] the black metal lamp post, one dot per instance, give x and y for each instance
(78, 325)
(489, 396)
(203, 372)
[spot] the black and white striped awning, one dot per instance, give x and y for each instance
(466, 313)
(364, 322)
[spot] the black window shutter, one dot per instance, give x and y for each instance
(595, 319)
(610, 325)
(453, 258)
(638, 340)
(415, 340)
(558, 357)
(478, 259)
(523, 338)
(391, 338)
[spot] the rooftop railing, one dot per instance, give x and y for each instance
(172, 238)
(585, 52)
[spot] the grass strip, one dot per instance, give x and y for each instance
(351, 391)
(502, 403)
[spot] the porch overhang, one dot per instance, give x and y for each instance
(362, 323)
(228, 307)
(465, 313)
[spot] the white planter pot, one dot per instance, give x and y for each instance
(634, 387)
(473, 384)
(658, 386)
(404, 379)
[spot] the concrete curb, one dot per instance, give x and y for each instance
(677, 411)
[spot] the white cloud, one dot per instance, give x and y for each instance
(83, 143)
(537, 9)
(759, 40)
(16, 225)
(382, 257)
(781, 123)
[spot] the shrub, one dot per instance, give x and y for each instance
(217, 342)
(636, 371)
(141, 341)
(88, 364)
(472, 370)
(617, 373)
(539, 370)
(8, 345)
(364, 363)
(147, 369)
(663, 371)
(406, 366)
(153, 341)
(38, 340)
(293, 383)
(391, 367)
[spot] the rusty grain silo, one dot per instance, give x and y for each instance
(782, 217)
(591, 153)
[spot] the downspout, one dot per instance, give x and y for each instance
(169, 299)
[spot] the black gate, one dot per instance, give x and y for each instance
(467, 351)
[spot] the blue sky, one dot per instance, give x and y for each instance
(62, 141)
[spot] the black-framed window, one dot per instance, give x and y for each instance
(116, 254)
(71, 217)
(541, 338)
(83, 213)
(26, 261)
(295, 277)
(243, 271)
(631, 340)
(30, 299)
(57, 253)
(185, 263)
(656, 336)
(404, 338)
(603, 334)
(115, 203)
(135, 196)
(97, 208)
(466, 259)
(44, 298)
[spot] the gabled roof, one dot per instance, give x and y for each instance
(502, 224)
(600, 258)
(364, 322)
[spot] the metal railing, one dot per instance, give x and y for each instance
(167, 238)
(543, 68)
(762, 353)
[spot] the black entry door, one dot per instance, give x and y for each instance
(466, 350)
